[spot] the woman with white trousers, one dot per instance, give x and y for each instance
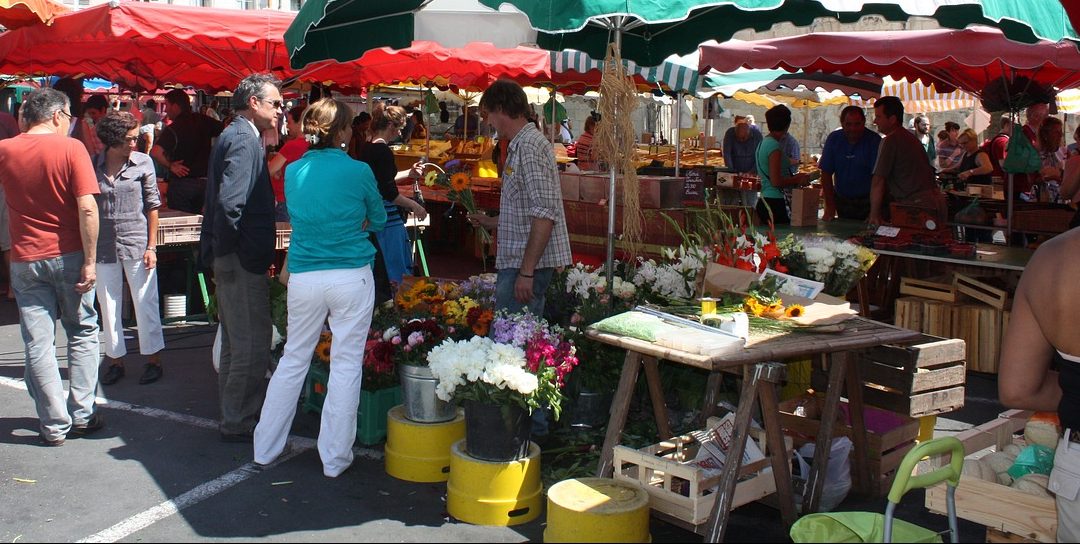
(335, 208)
(127, 244)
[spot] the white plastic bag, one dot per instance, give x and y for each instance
(837, 474)
(215, 351)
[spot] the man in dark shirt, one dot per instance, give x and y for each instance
(900, 173)
(847, 165)
(184, 149)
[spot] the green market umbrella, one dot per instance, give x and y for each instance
(344, 30)
(652, 30)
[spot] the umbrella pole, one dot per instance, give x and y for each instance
(609, 263)
(551, 127)
(678, 130)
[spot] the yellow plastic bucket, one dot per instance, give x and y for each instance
(493, 493)
(420, 452)
(597, 510)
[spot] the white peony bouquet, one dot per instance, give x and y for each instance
(838, 264)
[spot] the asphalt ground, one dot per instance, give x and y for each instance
(158, 472)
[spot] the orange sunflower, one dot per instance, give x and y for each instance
(459, 181)
(322, 349)
(794, 310)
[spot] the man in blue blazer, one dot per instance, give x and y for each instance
(237, 242)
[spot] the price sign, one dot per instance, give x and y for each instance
(694, 187)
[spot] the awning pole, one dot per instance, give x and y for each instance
(678, 130)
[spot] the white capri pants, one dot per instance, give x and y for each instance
(144, 295)
(347, 296)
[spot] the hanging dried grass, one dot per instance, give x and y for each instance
(614, 143)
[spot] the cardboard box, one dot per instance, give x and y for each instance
(805, 203)
(571, 186)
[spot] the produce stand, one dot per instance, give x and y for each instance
(1006, 512)
(760, 379)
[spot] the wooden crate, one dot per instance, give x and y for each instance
(980, 288)
(981, 327)
(1052, 221)
(925, 377)
(996, 506)
(682, 490)
(884, 450)
(941, 288)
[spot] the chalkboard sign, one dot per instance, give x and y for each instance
(694, 187)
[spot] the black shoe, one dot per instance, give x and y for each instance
(92, 425)
(247, 438)
(113, 374)
(151, 374)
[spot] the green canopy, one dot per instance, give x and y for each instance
(344, 30)
(652, 30)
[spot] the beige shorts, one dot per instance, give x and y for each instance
(1065, 485)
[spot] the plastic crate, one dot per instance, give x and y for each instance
(283, 235)
(370, 415)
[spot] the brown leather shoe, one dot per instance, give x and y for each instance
(92, 425)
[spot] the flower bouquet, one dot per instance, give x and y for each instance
(521, 366)
(523, 361)
(838, 264)
(458, 184)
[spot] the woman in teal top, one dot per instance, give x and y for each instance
(335, 208)
(773, 166)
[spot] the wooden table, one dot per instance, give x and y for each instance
(760, 379)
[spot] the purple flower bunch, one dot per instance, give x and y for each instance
(519, 329)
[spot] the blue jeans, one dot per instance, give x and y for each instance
(504, 290)
(505, 300)
(42, 290)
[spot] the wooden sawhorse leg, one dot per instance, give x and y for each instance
(620, 406)
(759, 384)
(842, 368)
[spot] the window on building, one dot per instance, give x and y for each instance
(295, 5)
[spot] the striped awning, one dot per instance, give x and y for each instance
(919, 98)
(671, 74)
(1068, 101)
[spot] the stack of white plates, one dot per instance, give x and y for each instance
(175, 306)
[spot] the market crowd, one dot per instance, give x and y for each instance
(82, 209)
(862, 171)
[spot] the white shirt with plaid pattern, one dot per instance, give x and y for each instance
(531, 188)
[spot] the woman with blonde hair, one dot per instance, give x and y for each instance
(386, 124)
(335, 207)
(975, 166)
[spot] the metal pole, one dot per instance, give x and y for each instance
(678, 130)
(609, 263)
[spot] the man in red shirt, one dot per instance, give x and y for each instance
(998, 145)
(50, 186)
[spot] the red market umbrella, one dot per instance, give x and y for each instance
(471, 67)
(968, 59)
(145, 46)
(18, 13)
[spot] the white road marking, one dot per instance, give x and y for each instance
(142, 520)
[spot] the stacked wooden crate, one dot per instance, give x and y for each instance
(970, 308)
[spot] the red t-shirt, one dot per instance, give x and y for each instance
(292, 150)
(43, 176)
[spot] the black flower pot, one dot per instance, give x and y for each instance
(496, 432)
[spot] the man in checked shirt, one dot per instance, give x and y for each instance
(531, 225)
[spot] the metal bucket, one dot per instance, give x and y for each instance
(418, 396)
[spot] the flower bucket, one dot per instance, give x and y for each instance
(590, 409)
(496, 432)
(418, 396)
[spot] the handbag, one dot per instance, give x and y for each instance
(1020, 157)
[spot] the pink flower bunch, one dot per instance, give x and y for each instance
(542, 353)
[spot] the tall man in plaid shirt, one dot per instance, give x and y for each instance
(531, 224)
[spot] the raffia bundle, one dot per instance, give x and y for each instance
(614, 142)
